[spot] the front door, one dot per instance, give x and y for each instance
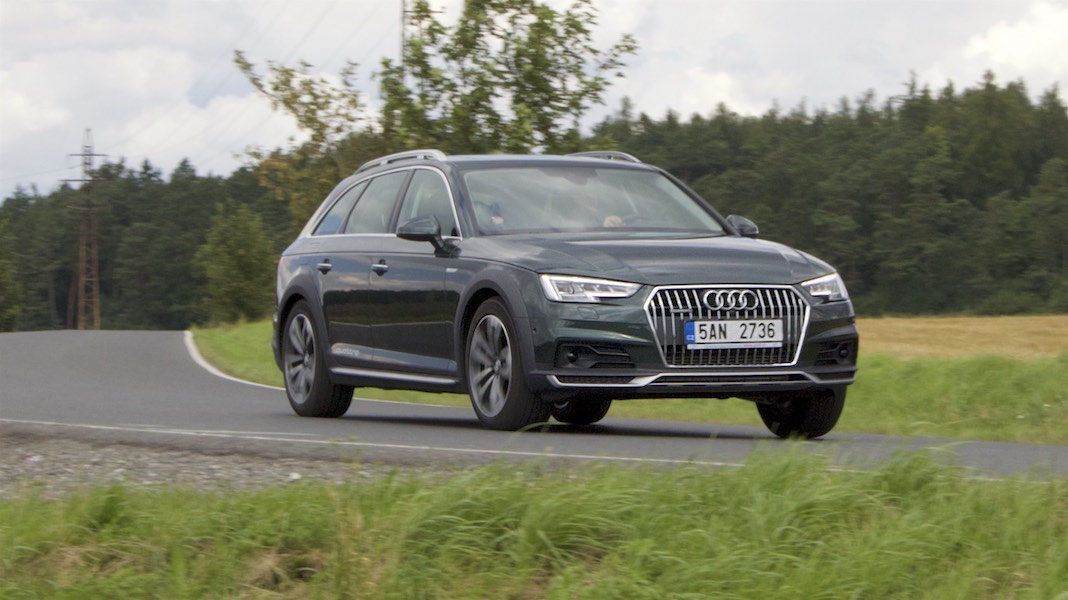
(412, 320)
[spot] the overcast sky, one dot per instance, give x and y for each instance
(155, 80)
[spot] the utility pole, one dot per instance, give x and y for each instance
(404, 26)
(403, 35)
(85, 294)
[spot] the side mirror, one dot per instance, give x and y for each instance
(423, 229)
(743, 226)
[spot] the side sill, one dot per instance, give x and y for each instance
(393, 376)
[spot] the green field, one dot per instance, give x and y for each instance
(991, 378)
(782, 526)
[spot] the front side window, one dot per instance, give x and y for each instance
(427, 196)
(583, 199)
(375, 208)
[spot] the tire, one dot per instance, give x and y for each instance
(496, 379)
(580, 412)
(806, 415)
(307, 381)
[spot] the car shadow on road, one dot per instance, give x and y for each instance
(613, 427)
(665, 430)
(421, 420)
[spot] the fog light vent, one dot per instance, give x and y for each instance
(836, 353)
(592, 356)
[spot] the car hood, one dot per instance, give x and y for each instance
(726, 259)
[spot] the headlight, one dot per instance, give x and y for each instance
(829, 288)
(566, 288)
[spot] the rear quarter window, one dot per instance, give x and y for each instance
(335, 217)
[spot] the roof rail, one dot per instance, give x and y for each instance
(427, 154)
(608, 155)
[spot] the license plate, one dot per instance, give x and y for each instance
(720, 335)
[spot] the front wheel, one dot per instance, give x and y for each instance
(580, 412)
(803, 414)
(308, 386)
(495, 377)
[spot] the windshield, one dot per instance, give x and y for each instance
(582, 199)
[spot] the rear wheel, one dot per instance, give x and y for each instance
(803, 414)
(495, 377)
(580, 412)
(308, 384)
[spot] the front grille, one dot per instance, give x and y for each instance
(670, 308)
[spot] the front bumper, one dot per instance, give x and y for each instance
(612, 351)
(734, 381)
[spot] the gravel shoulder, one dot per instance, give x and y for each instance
(56, 466)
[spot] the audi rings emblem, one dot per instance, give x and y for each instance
(730, 299)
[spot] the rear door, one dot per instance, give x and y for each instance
(345, 265)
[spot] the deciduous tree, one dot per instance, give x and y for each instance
(236, 264)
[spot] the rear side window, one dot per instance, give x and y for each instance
(375, 208)
(428, 196)
(334, 218)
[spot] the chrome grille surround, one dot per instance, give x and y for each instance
(669, 307)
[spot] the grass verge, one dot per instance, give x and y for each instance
(926, 377)
(782, 526)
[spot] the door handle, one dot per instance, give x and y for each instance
(324, 267)
(380, 268)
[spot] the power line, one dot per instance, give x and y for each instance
(310, 30)
(174, 109)
(218, 133)
(27, 175)
(347, 39)
(208, 135)
(222, 59)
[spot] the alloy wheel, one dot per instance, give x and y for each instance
(490, 365)
(300, 358)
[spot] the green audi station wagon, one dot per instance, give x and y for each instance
(551, 286)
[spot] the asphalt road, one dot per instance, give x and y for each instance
(146, 388)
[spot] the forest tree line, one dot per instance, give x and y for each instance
(931, 202)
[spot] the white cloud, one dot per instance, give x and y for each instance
(1028, 43)
(702, 86)
(22, 113)
(1036, 43)
(155, 79)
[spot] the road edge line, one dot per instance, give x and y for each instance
(194, 353)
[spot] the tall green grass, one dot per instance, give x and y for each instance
(985, 397)
(782, 526)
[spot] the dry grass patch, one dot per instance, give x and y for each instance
(949, 337)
